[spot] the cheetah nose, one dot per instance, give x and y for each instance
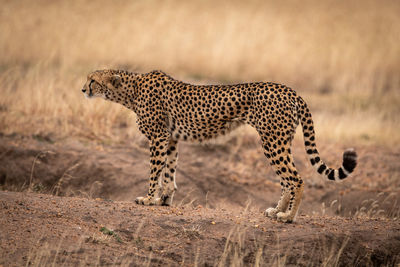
(83, 90)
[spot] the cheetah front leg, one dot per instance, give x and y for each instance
(168, 183)
(158, 156)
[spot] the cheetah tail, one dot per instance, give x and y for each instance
(349, 156)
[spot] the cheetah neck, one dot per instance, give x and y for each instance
(126, 92)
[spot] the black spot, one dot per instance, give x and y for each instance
(331, 175)
(321, 168)
(342, 175)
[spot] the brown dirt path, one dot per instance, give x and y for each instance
(44, 229)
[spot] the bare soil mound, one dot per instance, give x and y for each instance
(42, 229)
(209, 175)
(88, 216)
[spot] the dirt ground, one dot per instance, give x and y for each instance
(70, 202)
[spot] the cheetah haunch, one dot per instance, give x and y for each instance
(169, 110)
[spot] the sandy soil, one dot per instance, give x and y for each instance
(72, 189)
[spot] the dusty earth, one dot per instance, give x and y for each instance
(70, 202)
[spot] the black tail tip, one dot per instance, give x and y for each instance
(349, 160)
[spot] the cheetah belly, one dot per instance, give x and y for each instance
(201, 131)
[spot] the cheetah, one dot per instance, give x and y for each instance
(169, 110)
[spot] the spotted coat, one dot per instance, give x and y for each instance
(169, 110)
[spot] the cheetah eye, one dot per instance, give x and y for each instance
(90, 84)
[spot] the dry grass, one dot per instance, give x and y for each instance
(235, 253)
(344, 57)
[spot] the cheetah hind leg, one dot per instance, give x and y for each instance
(281, 207)
(291, 183)
(294, 204)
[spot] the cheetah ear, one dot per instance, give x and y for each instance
(115, 80)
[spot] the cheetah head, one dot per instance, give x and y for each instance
(101, 83)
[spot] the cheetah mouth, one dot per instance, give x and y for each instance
(88, 94)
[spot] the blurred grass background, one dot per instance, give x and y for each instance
(343, 57)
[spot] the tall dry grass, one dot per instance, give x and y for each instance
(343, 56)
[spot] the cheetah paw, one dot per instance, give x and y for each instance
(284, 217)
(147, 201)
(165, 200)
(271, 212)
